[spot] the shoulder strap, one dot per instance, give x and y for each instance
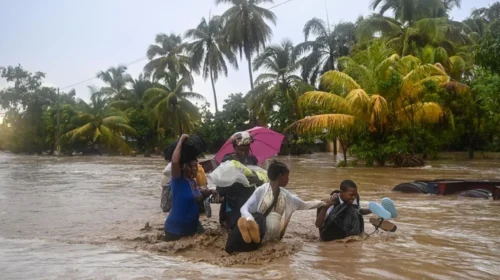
(275, 201)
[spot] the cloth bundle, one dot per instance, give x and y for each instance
(233, 171)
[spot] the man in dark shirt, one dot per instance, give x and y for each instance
(235, 196)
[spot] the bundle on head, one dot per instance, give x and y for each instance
(192, 148)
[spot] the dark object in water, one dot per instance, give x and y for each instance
(193, 147)
(449, 186)
(414, 187)
(383, 224)
(403, 160)
(480, 193)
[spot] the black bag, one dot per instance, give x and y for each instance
(343, 221)
(192, 148)
(235, 242)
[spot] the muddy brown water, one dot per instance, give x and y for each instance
(84, 218)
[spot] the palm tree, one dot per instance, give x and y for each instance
(246, 27)
(407, 39)
(455, 65)
(167, 55)
(135, 95)
(210, 50)
(102, 123)
(169, 104)
(278, 82)
(362, 96)
(410, 11)
(117, 80)
(489, 14)
(326, 48)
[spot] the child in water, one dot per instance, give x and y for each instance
(265, 216)
(342, 217)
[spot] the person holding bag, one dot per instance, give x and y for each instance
(266, 214)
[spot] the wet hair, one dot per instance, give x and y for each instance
(276, 169)
(347, 184)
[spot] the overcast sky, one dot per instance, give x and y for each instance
(72, 40)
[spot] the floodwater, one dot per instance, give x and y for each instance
(84, 218)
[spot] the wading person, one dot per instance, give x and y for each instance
(342, 216)
(201, 182)
(266, 214)
(183, 219)
(233, 197)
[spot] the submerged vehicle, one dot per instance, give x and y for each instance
(468, 188)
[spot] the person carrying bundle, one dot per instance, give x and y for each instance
(183, 219)
(234, 196)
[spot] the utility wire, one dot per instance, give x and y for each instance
(277, 5)
(95, 77)
(144, 57)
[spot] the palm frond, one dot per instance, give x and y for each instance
(318, 124)
(359, 103)
(316, 27)
(380, 111)
(324, 100)
(79, 132)
(335, 79)
(456, 88)
(428, 112)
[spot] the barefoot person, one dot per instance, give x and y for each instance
(235, 196)
(265, 216)
(183, 219)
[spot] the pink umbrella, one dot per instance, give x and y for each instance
(267, 143)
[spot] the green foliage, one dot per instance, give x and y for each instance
(6, 134)
(394, 85)
(216, 129)
(26, 100)
(101, 124)
(488, 54)
(146, 136)
(246, 27)
(69, 120)
(323, 52)
(276, 92)
(210, 50)
(342, 163)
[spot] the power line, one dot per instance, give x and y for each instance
(277, 5)
(144, 57)
(95, 77)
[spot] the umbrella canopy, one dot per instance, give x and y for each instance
(266, 144)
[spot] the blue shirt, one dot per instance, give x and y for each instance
(184, 216)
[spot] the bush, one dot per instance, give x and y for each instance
(342, 163)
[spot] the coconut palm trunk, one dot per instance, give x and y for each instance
(213, 88)
(180, 123)
(249, 60)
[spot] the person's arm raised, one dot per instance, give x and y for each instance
(176, 157)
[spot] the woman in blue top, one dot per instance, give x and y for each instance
(183, 219)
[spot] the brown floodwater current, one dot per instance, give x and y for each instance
(99, 218)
